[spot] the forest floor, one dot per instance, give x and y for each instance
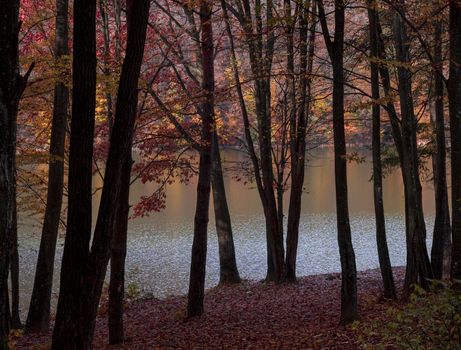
(251, 315)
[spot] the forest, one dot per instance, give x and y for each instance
(112, 110)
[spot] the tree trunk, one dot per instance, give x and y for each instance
(404, 134)
(78, 329)
(260, 50)
(298, 144)
(441, 243)
(12, 85)
(118, 255)
(67, 331)
(228, 272)
(381, 240)
(38, 319)
(14, 267)
(418, 269)
(119, 240)
(346, 250)
(454, 96)
(199, 246)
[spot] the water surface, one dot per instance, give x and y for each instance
(159, 246)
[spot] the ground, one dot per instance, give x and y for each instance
(252, 315)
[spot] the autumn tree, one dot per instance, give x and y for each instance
(84, 269)
(454, 97)
(404, 127)
(12, 85)
(38, 319)
(199, 246)
(78, 233)
(185, 61)
(300, 111)
(335, 47)
(258, 29)
(381, 239)
(418, 268)
(441, 243)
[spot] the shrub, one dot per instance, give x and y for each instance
(431, 320)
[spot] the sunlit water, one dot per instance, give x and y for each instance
(159, 246)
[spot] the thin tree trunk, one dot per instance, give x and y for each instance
(119, 240)
(418, 269)
(199, 246)
(381, 240)
(298, 147)
(118, 255)
(14, 267)
(38, 319)
(228, 272)
(12, 85)
(398, 135)
(454, 96)
(441, 243)
(346, 250)
(260, 49)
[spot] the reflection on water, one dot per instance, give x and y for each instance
(159, 245)
(319, 198)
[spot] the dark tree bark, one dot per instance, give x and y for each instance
(227, 262)
(38, 319)
(12, 85)
(261, 68)
(67, 331)
(228, 272)
(14, 266)
(297, 175)
(454, 97)
(75, 321)
(441, 243)
(346, 250)
(418, 269)
(260, 44)
(118, 255)
(119, 240)
(381, 240)
(199, 246)
(298, 137)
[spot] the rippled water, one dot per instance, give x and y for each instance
(159, 246)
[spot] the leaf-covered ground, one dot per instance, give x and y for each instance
(251, 315)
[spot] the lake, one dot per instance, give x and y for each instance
(159, 246)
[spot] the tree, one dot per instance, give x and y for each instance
(258, 29)
(199, 246)
(77, 308)
(78, 233)
(335, 49)
(301, 109)
(118, 255)
(454, 98)
(228, 271)
(418, 269)
(186, 58)
(441, 243)
(14, 263)
(404, 132)
(381, 240)
(12, 85)
(38, 319)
